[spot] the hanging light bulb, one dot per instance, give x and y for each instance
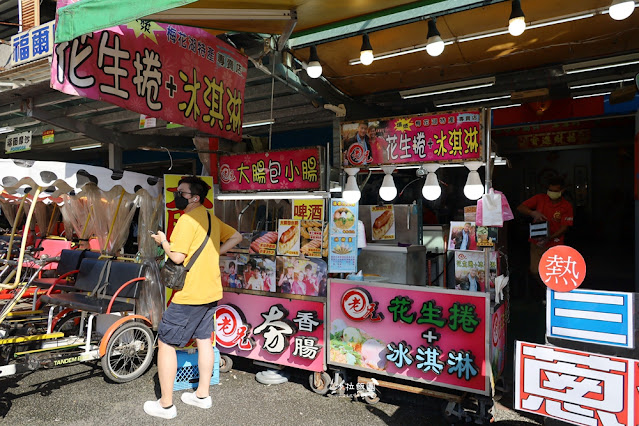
(621, 9)
(431, 189)
(366, 52)
(314, 68)
(474, 189)
(351, 193)
(434, 42)
(388, 191)
(517, 21)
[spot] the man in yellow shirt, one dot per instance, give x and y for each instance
(192, 309)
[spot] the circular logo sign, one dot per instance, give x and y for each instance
(226, 174)
(562, 268)
(355, 304)
(231, 328)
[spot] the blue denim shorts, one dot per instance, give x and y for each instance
(181, 323)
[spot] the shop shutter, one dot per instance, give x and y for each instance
(30, 14)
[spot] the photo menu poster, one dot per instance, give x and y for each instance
(342, 239)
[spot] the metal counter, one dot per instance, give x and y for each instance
(399, 265)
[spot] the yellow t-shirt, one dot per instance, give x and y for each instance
(203, 283)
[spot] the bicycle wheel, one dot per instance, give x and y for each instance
(129, 352)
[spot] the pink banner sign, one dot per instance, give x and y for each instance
(180, 74)
(287, 170)
(281, 331)
(433, 336)
(415, 139)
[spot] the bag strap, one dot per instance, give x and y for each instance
(199, 250)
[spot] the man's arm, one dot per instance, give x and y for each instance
(537, 216)
(175, 256)
(230, 243)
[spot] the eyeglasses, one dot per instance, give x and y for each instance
(179, 193)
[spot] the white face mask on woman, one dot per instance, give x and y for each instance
(554, 195)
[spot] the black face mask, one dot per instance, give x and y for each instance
(180, 202)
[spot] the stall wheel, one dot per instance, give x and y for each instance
(320, 382)
(226, 363)
(129, 352)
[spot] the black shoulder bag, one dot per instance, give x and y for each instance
(173, 275)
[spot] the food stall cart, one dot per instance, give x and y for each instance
(396, 328)
(392, 328)
(273, 309)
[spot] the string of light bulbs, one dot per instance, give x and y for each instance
(618, 10)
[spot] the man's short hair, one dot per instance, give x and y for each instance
(232, 264)
(556, 180)
(308, 268)
(197, 186)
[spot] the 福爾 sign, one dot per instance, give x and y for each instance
(441, 137)
(601, 317)
(287, 332)
(180, 74)
(34, 44)
(581, 388)
(18, 142)
(288, 170)
(426, 335)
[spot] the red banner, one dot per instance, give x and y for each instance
(180, 74)
(417, 139)
(271, 171)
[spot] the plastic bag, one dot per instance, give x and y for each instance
(489, 212)
(506, 211)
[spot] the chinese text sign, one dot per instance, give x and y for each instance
(33, 44)
(562, 268)
(181, 74)
(576, 387)
(287, 332)
(18, 142)
(432, 336)
(416, 139)
(271, 171)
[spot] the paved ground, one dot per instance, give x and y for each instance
(80, 395)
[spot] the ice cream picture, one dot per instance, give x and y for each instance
(353, 346)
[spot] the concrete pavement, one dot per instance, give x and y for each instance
(80, 395)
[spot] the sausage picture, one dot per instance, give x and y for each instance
(382, 224)
(268, 238)
(288, 240)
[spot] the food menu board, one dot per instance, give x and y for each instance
(423, 334)
(383, 222)
(288, 237)
(314, 236)
(342, 239)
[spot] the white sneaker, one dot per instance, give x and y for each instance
(153, 408)
(192, 399)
